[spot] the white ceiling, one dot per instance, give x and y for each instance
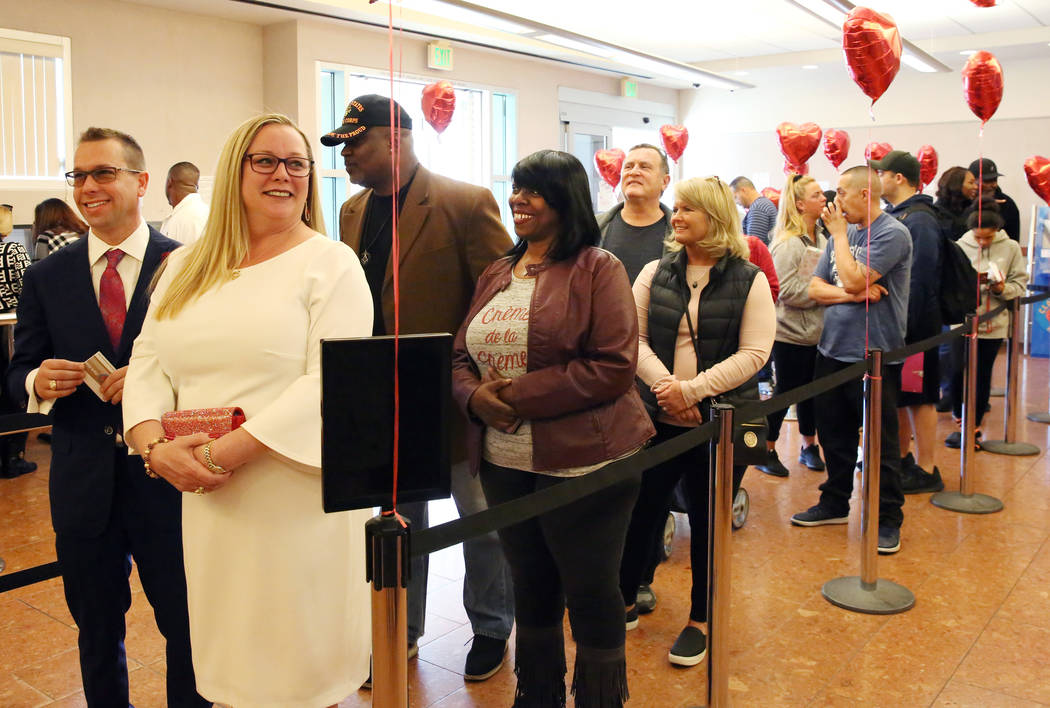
(727, 36)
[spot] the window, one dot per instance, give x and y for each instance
(35, 122)
(479, 146)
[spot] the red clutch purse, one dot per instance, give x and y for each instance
(216, 422)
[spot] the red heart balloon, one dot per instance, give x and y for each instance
(772, 195)
(836, 146)
(983, 84)
(439, 102)
(872, 45)
(610, 165)
(983, 3)
(790, 168)
(675, 138)
(927, 158)
(1037, 170)
(798, 142)
(876, 151)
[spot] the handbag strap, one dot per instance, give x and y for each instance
(692, 333)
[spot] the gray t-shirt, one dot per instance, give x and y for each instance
(844, 324)
(634, 245)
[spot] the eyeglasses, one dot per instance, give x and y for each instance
(266, 164)
(102, 175)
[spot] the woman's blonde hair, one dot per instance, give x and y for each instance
(713, 197)
(789, 219)
(223, 244)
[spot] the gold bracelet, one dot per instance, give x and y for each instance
(211, 463)
(146, 456)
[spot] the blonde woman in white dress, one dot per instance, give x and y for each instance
(278, 602)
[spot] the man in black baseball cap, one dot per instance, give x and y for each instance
(916, 413)
(449, 232)
(985, 172)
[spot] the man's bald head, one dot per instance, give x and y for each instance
(863, 177)
(183, 178)
(859, 190)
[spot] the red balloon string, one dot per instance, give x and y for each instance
(395, 254)
(867, 275)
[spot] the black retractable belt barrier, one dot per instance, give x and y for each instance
(387, 540)
(1010, 445)
(867, 592)
(965, 500)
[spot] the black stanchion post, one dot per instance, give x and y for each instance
(1010, 445)
(720, 534)
(965, 500)
(387, 554)
(868, 593)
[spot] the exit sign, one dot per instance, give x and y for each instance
(628, 88)
(439, 57)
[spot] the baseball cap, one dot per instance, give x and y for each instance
(900, 161)
(988, 172)
(364, 112)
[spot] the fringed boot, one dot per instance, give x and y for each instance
(539, 663)
(599, 679)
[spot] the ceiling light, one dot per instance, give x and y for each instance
(834, 13)
(577, 45)
(968, 52)
(465, 15)
(810, 67)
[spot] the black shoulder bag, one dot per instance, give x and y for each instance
(749, 436)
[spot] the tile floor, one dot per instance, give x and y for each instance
(979, 634)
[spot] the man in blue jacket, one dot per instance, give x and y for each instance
(899, 174)
(90, 297)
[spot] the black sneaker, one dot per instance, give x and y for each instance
(631, 618)
(690, 647)
(484, 658)
(954, 440)
(810, 457)
(819, 516)
(16, 467)
(916, 480)
(645, 600)
(889, 540)
(774, 467)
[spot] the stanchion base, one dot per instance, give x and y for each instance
(886, 598)
(1039, 417)
(972, 504)
(997, 392)
(1016, 448)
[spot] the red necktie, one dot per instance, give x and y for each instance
(111, 297)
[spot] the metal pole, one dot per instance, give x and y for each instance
(1009, 445)
(720, 533)
(867, 592)
(387, 538)
(965, 500)
(869, 515)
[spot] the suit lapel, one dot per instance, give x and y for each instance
(85, 297)
(140, 297)
(351, 222)
(410, 224)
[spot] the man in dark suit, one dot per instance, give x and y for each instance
(449, 232)
(92, 297)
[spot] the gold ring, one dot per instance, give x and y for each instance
(52, 384)
(199, 490)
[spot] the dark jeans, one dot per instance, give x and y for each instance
(840, 413)
(795, 365)
(650, 515)
(567, 557)
(987, 351)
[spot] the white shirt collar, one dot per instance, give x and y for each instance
(134, 245)
(185, 203)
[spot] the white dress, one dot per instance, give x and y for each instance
(278, 603)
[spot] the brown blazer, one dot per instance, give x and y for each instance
(450, 232)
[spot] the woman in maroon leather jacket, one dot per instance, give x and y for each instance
(544, 368)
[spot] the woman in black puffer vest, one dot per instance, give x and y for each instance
(706, 326)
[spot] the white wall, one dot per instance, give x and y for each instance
(734, 133)
(178, 83)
